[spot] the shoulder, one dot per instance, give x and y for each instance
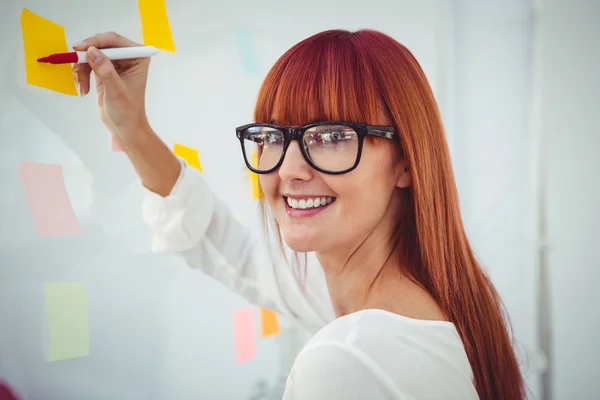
(333, 370)
(377, 354)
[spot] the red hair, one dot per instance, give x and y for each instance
(348, 76)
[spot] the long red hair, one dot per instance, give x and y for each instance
(348, 76)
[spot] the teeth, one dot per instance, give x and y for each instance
(309, 203)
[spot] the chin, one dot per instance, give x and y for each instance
(300, 243)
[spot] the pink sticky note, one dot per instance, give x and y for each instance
(245, 334)
(115, 145)
(48, 201)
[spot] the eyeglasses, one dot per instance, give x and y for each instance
(330, 147)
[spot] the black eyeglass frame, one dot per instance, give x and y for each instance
(297, 133)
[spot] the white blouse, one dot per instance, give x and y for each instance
(370, 354)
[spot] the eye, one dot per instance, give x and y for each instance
(332, 136)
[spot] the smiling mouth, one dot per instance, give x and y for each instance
(309, 203)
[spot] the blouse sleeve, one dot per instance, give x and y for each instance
(194, 223)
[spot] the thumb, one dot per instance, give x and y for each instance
(105, 71)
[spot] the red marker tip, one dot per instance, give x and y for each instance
(60, 58)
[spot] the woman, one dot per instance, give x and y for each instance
(354, 166)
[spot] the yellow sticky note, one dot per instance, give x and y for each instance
(256, 191)
(41, 38)
(155, 24)
(269, 322)
(188, 154)
(66, 304)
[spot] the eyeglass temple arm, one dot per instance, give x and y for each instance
(384, 131)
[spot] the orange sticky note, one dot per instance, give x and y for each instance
(49, 204)
(245, 334)
(190, 155)
(41, 38)
(269, 322)
(256, 191)
(156, 30)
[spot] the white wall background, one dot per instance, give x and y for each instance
(570, 129)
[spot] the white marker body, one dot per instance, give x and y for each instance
(122, 53)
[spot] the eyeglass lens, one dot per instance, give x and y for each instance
(331, 148)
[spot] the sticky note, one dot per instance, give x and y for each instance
(247, 51)
(156, 30)
(115, 144)
(189, 154)
(256, 190)
(66, 305)
(269, 322)
(49, 204)
(41, 38)
(244, 334)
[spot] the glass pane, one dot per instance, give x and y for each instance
(332, 147)
(263, 146)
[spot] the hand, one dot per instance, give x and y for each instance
(120, 85)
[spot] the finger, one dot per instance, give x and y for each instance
(105, 71)
(105, 40)
(82, 74)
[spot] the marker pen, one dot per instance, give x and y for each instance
(118, 53)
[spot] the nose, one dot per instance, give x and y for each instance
(294, 166)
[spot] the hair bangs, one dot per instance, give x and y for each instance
(323, 78)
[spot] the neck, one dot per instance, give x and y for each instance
(359, 277)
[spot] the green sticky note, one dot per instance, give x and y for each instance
(66, 304)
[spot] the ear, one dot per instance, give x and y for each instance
(404, 175)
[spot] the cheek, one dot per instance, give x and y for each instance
(269, 184)
(365, 195)
(370, 186)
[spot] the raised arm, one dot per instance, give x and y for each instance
(121, 102)
(182, 211)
